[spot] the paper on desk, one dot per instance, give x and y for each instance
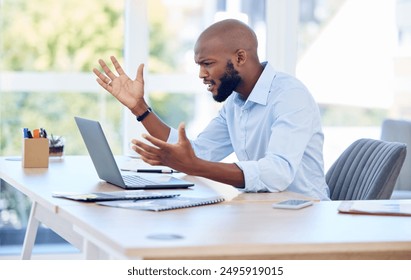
(377, 207)
(115, 195)
(224, 190)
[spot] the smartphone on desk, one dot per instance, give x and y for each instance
(292, 204)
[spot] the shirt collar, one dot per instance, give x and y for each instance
(259, 94)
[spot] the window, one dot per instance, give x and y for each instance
(46, 68)
(353, 57)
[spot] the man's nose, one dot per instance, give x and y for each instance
(202, 73)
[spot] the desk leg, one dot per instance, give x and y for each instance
(92, 252)
(31, 232)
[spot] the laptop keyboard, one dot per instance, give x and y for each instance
(132, 180)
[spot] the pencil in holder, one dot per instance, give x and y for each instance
(35, 153)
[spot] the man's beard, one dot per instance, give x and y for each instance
(229, 82)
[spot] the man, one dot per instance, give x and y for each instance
(269, 119)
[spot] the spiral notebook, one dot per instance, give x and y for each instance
(164, 204)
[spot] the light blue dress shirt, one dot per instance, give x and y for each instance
(276, 135)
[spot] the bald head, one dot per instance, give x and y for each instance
(227, 55)
(228, 35)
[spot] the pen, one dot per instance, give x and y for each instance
(36, 133)
(25, 132)
(164, 171)
(43, 133)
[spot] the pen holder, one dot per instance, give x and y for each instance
(35, 153)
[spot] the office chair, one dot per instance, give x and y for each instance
(367, 169)
(399, 131)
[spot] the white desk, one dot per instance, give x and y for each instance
(243, 227)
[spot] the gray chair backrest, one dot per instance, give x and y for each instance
(367, 169)
(399, 131)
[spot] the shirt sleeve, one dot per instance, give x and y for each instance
(291, 131)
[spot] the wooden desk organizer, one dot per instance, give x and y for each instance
(35, 153)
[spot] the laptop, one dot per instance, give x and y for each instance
(106, 165)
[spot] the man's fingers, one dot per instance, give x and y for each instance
(145, 147)
(105, 85)
(155, 141)
(101, 76)
(139, 75)
(106, 69)
(147, 157)
(151, 162)
(117, 65)
(141, 151)
(182, 136)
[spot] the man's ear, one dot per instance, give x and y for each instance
(241, 57)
